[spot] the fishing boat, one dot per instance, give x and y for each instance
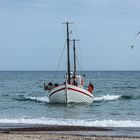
(72, 89)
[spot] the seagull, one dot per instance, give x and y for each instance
(138, 33)
(132, 46)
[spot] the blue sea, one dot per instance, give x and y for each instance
(116, 100)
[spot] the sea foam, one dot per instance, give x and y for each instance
(39, 99)
(107, 98)
(101, 98)
(72, 122)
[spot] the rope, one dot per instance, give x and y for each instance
(59, 62)
(79, 65)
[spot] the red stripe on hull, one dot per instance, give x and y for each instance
(70, 89)
(80, 92)
(56, 91)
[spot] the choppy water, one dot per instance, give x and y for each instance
(116, 103)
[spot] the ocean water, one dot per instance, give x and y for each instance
(116, 100)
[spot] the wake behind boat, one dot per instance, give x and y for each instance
(72, 89)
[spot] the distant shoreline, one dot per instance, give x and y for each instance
(65, 71)
(46, 136)
(71, 131)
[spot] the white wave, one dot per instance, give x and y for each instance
(40, 99)
(107, 98)
(101, 98)
(75, 122)
(115, 123)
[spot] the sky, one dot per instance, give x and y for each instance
(32, 36)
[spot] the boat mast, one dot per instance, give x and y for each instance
(68, 52)
(74, 50)
(74, 59)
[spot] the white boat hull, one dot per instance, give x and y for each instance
(68, 93)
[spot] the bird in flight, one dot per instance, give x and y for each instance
(132, 46)
(138, 33)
